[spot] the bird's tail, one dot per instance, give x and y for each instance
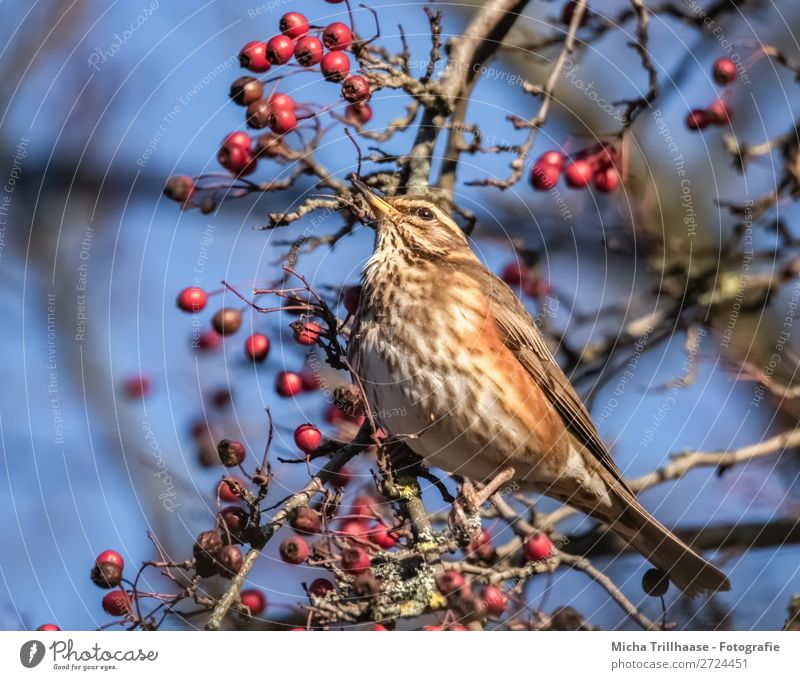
(684, 567)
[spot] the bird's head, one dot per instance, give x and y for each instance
(411, 222)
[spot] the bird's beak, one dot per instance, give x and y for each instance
(379, 207)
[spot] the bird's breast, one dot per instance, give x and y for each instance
(435, 369)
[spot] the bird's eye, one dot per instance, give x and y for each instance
(425, 213)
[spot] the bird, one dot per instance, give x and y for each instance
(448, 358)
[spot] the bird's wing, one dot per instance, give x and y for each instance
(519, 333)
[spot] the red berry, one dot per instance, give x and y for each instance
(305, 520)
(246, 90)
(254, 600)
(117, 603)
(278, 100)
(48, 626)
(432, 628)
(230, 560)
(192, 299)
(537, 547)
(606, 157)
(235, 155)
(355, 560)
(288, 383)
(362, 505)
(481, 547)
(238, 138)
(335, 66)
(555, 158)
(253, 57)
(294, 25)
(381, 536)
(112, 557)
(256, 347)
(378, 626)
(136, 386)
(232, 519)
(281, 121)
(578, 174)
(308, 51)
(606, 180)
(280, 49)
(514, 273)
(208, 340)
(308, 334)
(356, 89)
(719, 112)
(310, 380)
(227, 321)
(236, 160)
(450, 582)
(544, 176)
(337, 36)
(231, 452)
(294, 550)
(308, 438)
(358, 114)
(536, 286)
(495, 600)
(350, 297)
(724, 71)
(354, 528)
(320, 587)
(224, 492)
(698, 119)
(483, 538)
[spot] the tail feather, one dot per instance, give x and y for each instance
(620, 510)
(684, 567)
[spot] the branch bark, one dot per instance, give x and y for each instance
(479, 41)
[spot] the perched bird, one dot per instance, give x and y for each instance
(448, 356)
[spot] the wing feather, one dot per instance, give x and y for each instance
(520, 334)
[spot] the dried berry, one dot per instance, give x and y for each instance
(227, 321)
(246, 90)
(231, 452)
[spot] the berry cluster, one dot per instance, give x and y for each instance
(311, 47)
(718, 112)
(323, 49)
(491, 601)
(596, 165)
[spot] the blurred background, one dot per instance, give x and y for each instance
(103, 101)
